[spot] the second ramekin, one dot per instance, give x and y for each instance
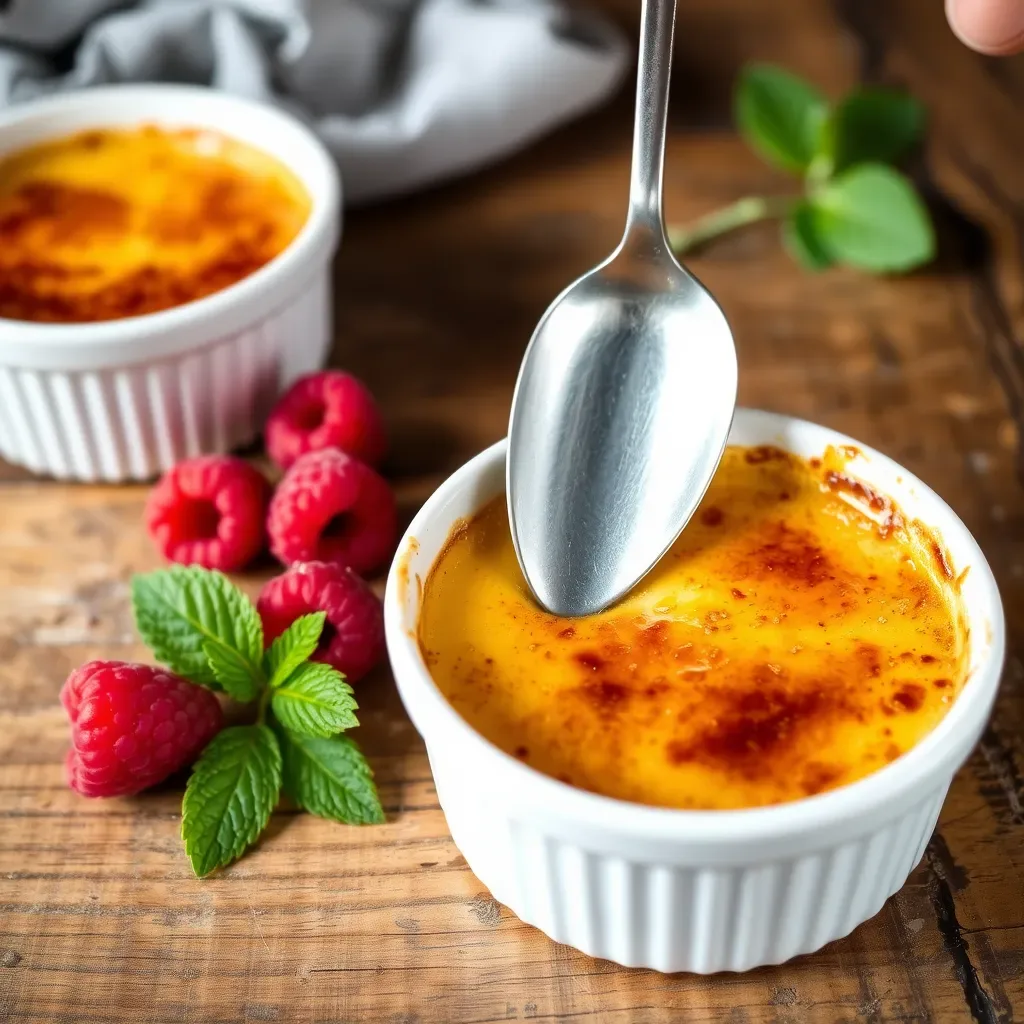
(699, 891)
(126, 399)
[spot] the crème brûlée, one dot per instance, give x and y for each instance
(799, 635)
(117, 222)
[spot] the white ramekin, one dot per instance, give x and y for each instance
(126, 399)
(700, 891)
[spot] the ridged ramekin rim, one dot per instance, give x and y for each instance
(200, 322)
(931, 763)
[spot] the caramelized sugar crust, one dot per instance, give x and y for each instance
(799, 635)
(119, 222)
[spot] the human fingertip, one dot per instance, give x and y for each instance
(993, 27)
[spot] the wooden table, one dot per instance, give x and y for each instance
(100, 918)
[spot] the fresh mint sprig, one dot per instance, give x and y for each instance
(855, 209)
(201, 626)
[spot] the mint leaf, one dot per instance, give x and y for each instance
(233, 671)
(293, 647)
(801, 240)
(871, 217)
(780, 115)
(315, 701)
(329, 778)
(200, 625)
(229, 798)
(872, 125)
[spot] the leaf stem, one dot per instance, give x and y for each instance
(261, 708)
(744, 211)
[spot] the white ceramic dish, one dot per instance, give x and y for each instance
(682, 890)
(126, 399)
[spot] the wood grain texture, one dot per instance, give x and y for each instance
(100, 919)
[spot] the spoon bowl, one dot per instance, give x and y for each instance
(625, 396)
(622, 410)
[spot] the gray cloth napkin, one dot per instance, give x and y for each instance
(403, 92)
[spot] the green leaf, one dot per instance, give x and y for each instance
(801, 240)
(233, 789)
(293, 647)
(329, 778)
(872, 126)
(780, 115)
(200, 625)
(233, 671)
(316, 701)
(871, 217)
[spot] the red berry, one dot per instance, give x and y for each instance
(353, 636)
(132, 726)
(325, 410)
(209, 511)
(331, 507)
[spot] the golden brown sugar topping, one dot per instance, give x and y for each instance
(118, 222)
(799, 635)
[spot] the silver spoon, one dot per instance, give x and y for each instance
(626, 393)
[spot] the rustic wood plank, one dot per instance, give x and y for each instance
(100, 919)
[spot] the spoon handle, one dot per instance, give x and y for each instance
(657, 22)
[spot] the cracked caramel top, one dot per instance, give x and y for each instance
(118, 222)
(800, 634)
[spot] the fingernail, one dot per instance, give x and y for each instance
(988, 26)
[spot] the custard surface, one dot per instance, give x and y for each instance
(119, 222)
(799, 635)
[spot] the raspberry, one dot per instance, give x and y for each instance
(132, 726)
(353, 636)
(209, 511)
(331, 507)
(325, 410)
